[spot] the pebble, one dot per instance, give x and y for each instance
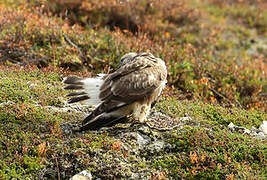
(142, 140)
(185, 119)
(259, 133)
(263, 127)
(231, 125)
(156, 146)
(84, 175)
(247, 131)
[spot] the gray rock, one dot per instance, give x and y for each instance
(253, 130)
(253, 133)
(156, 146)
(142, 140)
(84, 175)
(144, 130)
(231, 125)
(260, 135)
(7, 103)
(31, 85)
(247, 131)
(185, 119)
(263, 127)
(75, 107)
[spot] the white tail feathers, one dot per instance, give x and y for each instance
(92, 88)
(87, 89)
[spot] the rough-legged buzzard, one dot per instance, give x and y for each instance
(132, 89)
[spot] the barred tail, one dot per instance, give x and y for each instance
(86, 89)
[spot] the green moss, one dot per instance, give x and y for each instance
(196, 39)
(202, 153)
(208, 114)
(19, 87)
(24, 126)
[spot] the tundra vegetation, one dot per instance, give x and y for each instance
(216, 54)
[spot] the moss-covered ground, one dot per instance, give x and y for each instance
(216, 57)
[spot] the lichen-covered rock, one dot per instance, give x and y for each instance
(259, 133)
(142, 140)
(156, 146)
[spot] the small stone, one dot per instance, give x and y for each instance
(247, 131)
(253, 129)
(32, 85)
(7, 103)
(185, 119)
(79, 177)
(84, 175)
(66, 128)
(260, 135)
(156, 146)
(231, 125)
(144, 129)
(240, 128)
(253, 133)
(142, 140)
(263, 127)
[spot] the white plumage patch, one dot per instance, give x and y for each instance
(87, 90)
(92, 88)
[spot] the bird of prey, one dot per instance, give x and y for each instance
(131, 90)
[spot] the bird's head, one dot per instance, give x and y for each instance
(127, 58)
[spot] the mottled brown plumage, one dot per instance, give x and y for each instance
(131, 89)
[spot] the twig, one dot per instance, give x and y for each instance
(83, 56)
(97, 59)
(11, 54)
(58, 172)
(71, 43)
(228, 100)
(163, 129)
(4, 58)
(263, 94)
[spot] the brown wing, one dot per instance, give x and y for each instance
(133, 81)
